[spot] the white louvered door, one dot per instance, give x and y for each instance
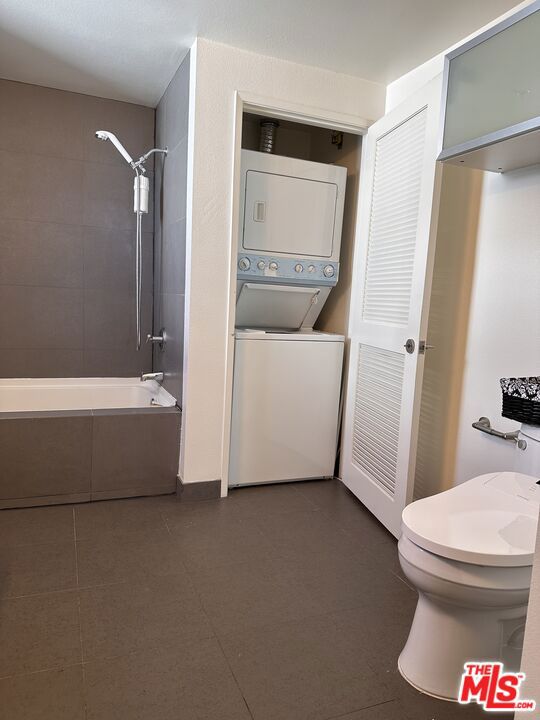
(391, 285)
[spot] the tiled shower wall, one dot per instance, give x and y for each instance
(67, 286)
(170, 228)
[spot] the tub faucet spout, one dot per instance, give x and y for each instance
(157, 376)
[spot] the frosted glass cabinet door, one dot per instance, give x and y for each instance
(495, 83)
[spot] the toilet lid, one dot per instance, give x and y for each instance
(489, 520)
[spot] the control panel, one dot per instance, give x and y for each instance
(298, 270)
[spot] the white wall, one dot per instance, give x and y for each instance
(217, 72)
(504, 327)
(453, 273)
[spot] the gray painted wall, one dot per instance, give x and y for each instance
(170, 228)
(67, 235)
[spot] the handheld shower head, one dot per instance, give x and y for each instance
(106, 135)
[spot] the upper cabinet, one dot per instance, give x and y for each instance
(492, 96)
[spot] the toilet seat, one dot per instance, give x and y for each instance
(490, 520)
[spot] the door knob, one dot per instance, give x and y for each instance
(410, 346)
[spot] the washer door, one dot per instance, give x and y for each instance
(283, 307)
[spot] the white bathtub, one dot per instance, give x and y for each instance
(82, 439)
(23, 395)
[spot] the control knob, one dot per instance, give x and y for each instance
(329, 271)
(261, 265)
(273, 265)
(299, 268)
(311, 268)
(244, 263)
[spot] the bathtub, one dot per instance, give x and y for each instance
(81, 394)
(83, 439)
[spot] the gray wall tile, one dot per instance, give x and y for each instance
(67, 225)
(35, 187)
(48, 362)
(107, 362)
(170, 359)
(41, 121)
(53, 257)
(108, 197)
(176, 117)
(173, 257)
(135, 451)
(172, 116)
(174, 184)
(40, 317)
(60, 460)
(109, 260)
(109, 319)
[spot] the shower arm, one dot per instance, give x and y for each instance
(139, 164)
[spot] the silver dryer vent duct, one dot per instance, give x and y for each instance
(268, 135)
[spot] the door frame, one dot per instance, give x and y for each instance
(281, 110)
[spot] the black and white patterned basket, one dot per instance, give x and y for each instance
(521, 399)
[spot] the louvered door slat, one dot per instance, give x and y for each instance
(394, 217)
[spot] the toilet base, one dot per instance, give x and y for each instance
(444, 636)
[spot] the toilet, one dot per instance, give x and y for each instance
(469, 552)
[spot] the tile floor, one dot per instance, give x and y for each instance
(278, 603)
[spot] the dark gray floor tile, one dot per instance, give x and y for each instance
(39, 632)
(233, 507)
(36, 526)
(208, 541)
(29, 569)
(338, 581)
(336, 501)
(95, 520)
(49, 695)
(299, 670)
(271, 499)
(119, 619)
(191, 682)
(391, 710)
(299, 533)
(418, 706)
(252, 594)
(386, 555)
(113, 559)
(383, 628)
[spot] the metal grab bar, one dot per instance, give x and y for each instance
(484, 425)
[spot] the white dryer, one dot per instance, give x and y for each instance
(291, 216)
(285, 406)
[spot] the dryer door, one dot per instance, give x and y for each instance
(290, 215)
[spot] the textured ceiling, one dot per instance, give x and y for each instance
(129, 49)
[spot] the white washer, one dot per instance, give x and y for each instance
(285, 406)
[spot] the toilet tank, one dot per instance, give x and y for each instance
(528, 451)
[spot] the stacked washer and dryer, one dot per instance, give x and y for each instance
(287, 376)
